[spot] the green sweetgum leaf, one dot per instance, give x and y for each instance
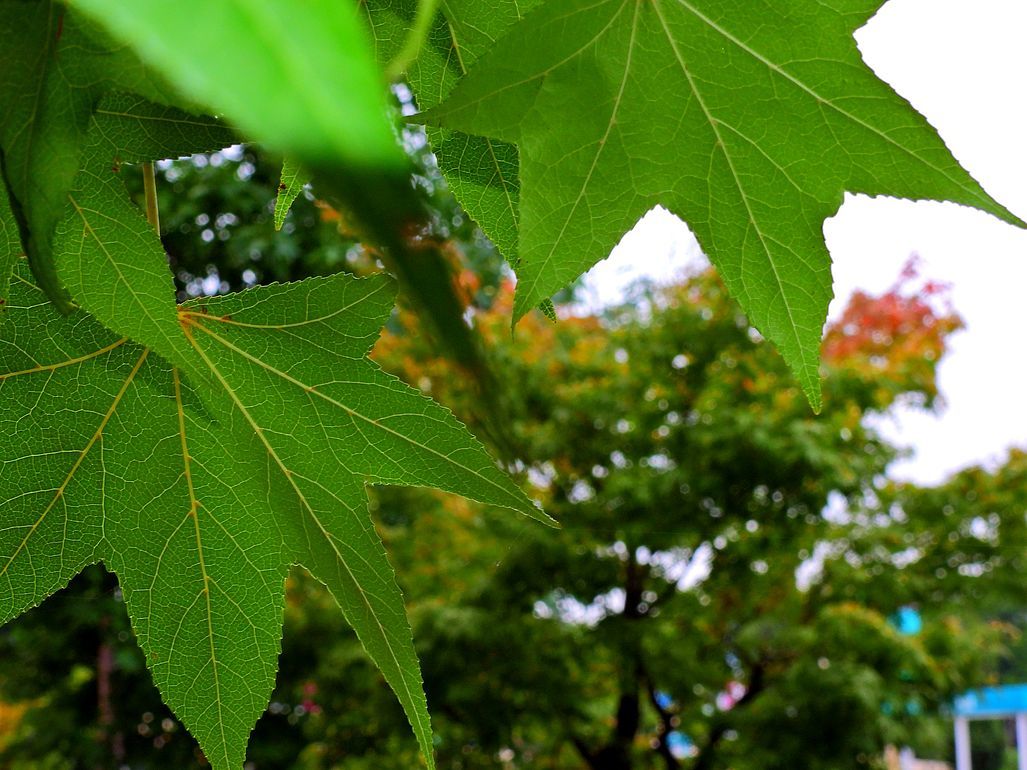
(293, 178)
(107, 254)
(109, 455)
(299, 76)
(57, 66)
(748, 120)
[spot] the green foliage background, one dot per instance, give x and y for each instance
(679, 374)
(199, 448)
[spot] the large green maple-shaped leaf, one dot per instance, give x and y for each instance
(748, 119)
(107, 254)
(109, 455)
(56, 69)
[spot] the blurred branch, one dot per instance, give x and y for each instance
(392, 215)
(665, 729)
(708, 753)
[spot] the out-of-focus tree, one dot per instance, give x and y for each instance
(702, 608)
(217, 225)
(697, 610)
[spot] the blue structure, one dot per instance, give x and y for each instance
(1004, 702)
(680, 745)
(907, 621)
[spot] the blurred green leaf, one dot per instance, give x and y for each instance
(299, 76)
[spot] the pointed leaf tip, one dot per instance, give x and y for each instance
(750, 127)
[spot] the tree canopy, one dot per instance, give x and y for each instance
(729, 565)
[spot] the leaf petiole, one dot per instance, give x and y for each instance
(150, 192)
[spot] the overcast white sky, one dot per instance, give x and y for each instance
(963, 64)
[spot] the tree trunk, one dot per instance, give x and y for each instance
(708, 754)
(113, 739)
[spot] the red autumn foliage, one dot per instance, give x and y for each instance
(896, 337)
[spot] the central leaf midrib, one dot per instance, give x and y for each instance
(159, 119)
(713, 123)
(194, 512)
(183, 311)
(288, 474)
(67, 362)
